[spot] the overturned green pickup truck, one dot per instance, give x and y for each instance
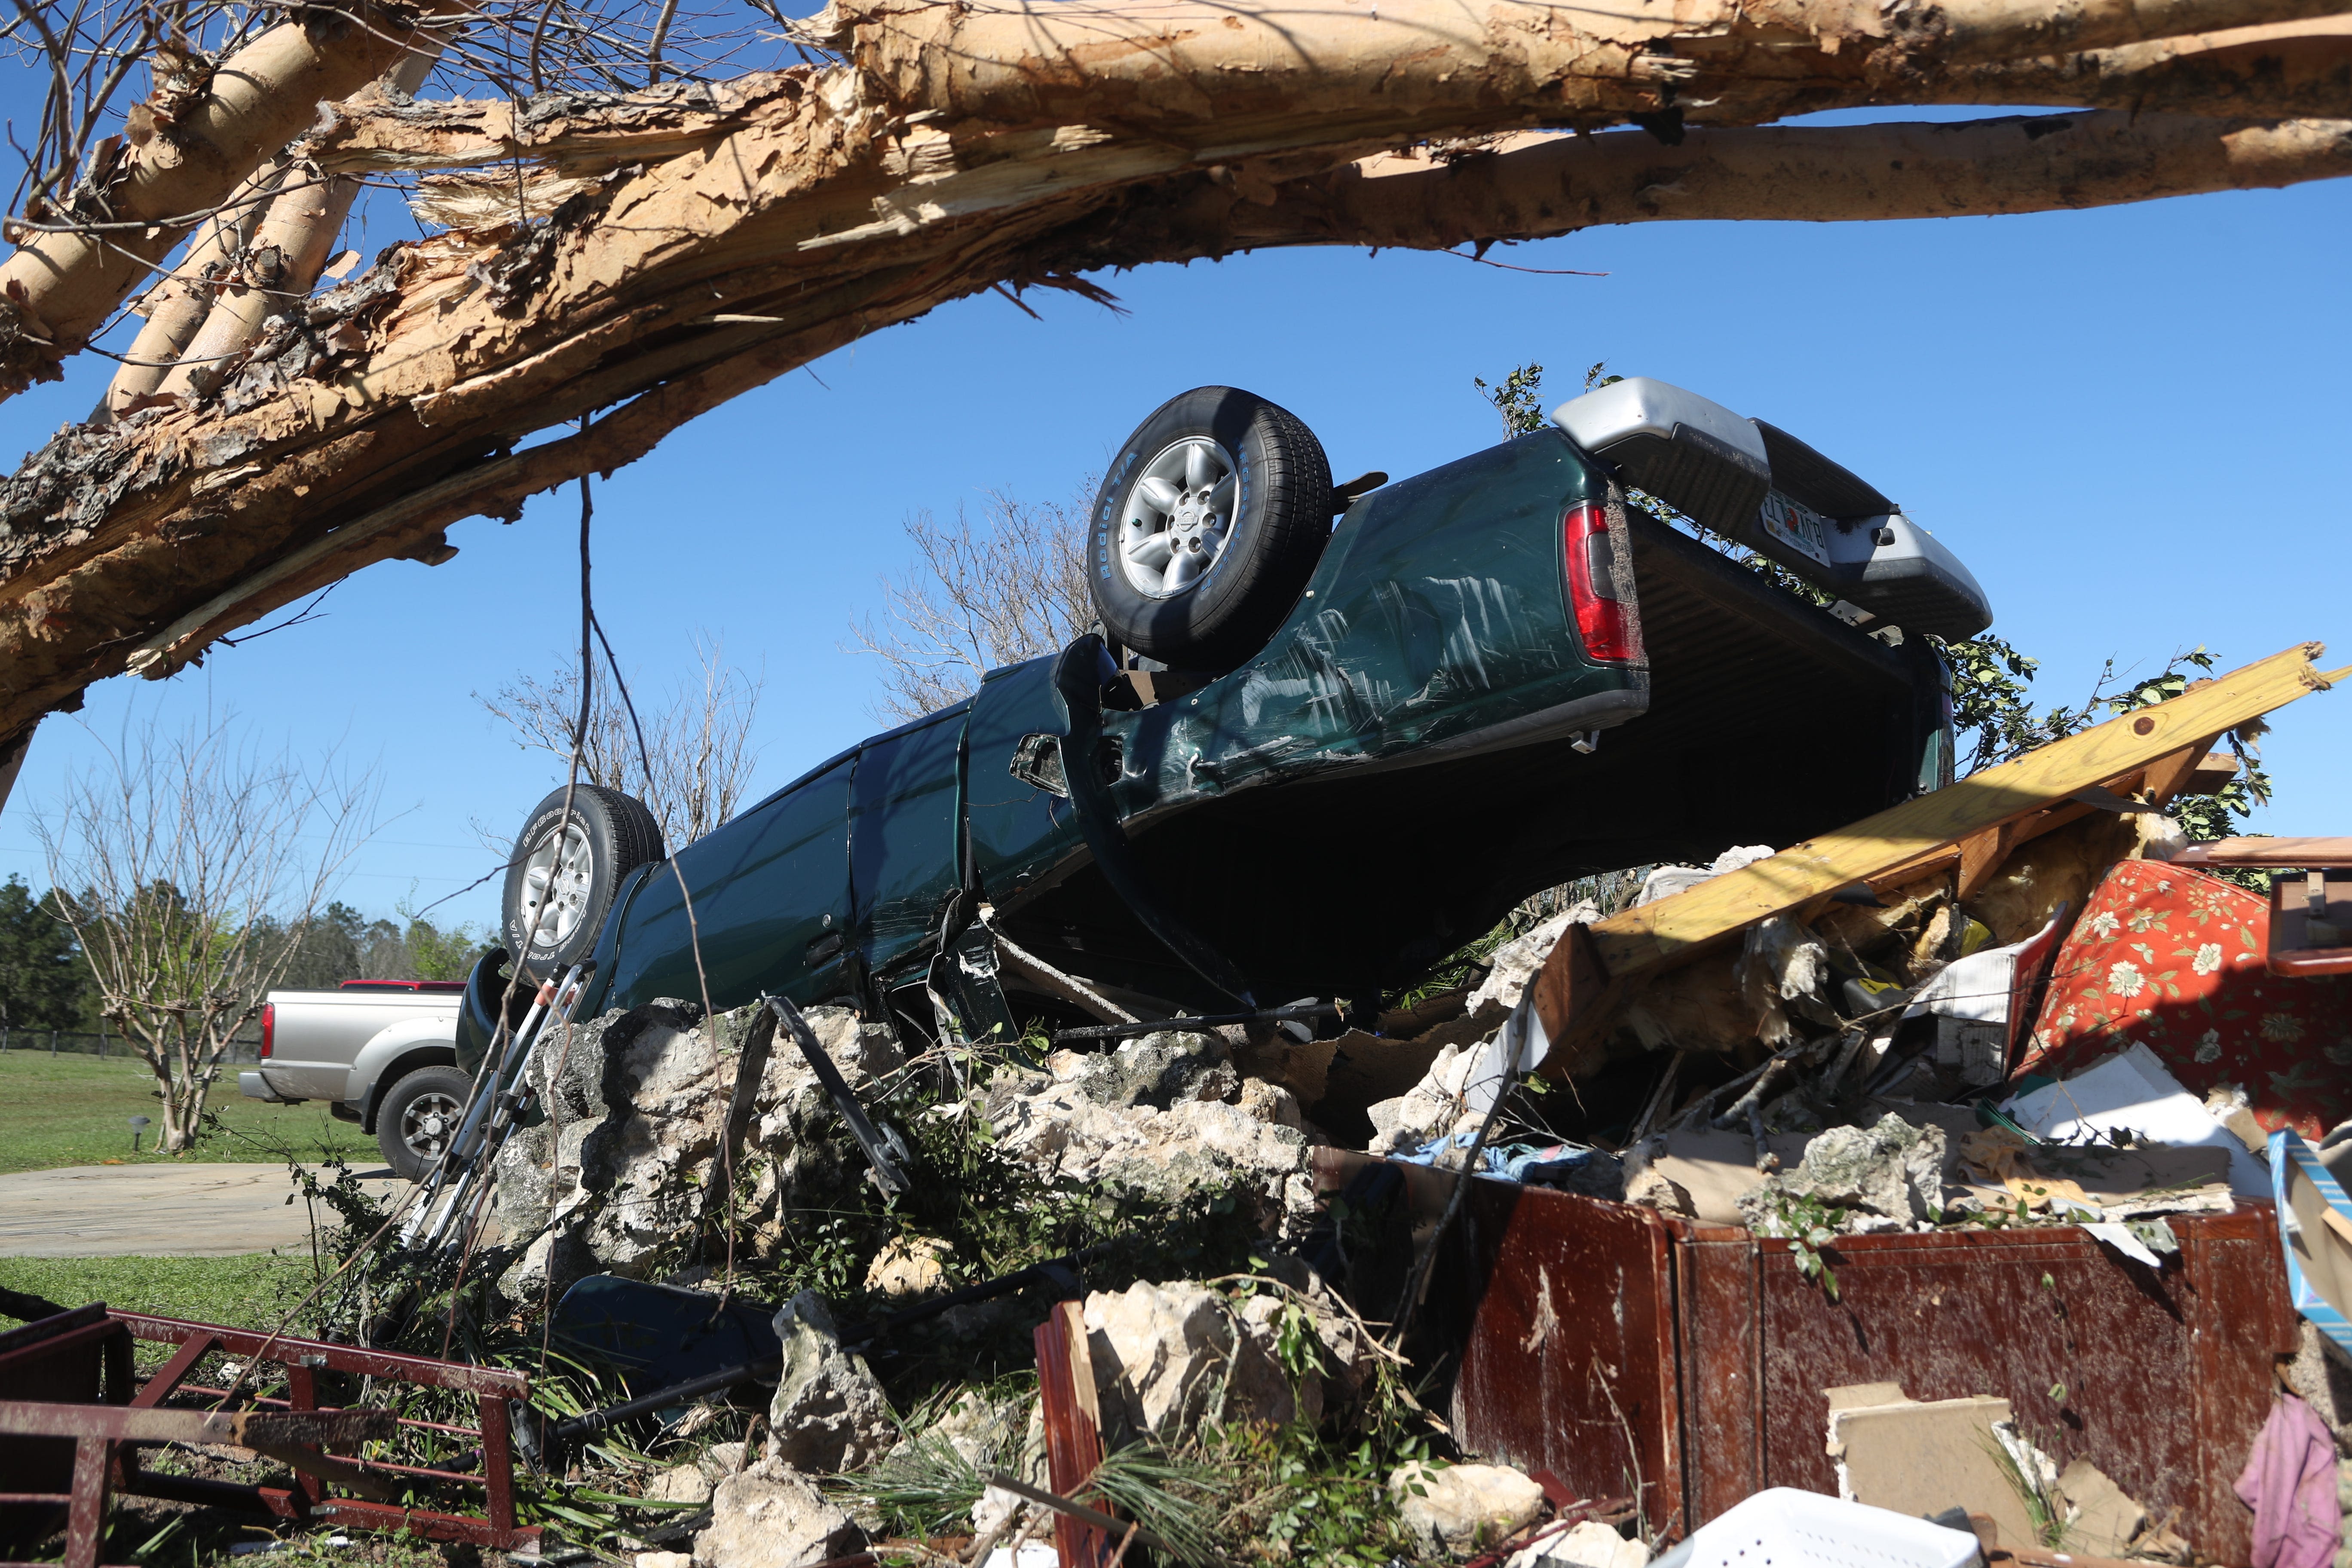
(1304, 759)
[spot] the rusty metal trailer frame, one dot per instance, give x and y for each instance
(84, 1357)
(1621, 1347)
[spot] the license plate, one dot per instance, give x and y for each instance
(1796, 525)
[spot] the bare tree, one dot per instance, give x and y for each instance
(671, 247)
(1009, 587)
(697, 757)
(194, 858)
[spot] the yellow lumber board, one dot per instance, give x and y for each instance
(1679, 927)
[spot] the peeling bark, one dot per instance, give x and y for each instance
(61, 286)
(2287, 68)
(721, 235)
(361, 429)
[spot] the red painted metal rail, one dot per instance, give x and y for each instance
(84, 1357)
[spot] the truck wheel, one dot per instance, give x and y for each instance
(419, 1117)
(562, 877)
(1207, 528)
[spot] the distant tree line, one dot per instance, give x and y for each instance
(45, 982)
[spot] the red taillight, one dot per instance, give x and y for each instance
(1592, 589)
(269, 1028)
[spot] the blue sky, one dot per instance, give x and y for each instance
(2131, 422)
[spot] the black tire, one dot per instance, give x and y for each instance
(613, 834)
(417, 1118)
(1259, 551)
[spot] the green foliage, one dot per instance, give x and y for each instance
(1992, 713)
(1175, 1498)
(1292, 1495)
(43, 983)
(1519, 398)
(1808, 1225)
(1992, 710)
(340, 943)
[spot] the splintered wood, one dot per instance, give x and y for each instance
(1968, 824)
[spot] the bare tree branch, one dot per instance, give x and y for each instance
(180, 864)
(697, 739)
(986, 595)
(358, 432)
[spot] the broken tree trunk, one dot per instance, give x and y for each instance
(198, 141)
(710, 238)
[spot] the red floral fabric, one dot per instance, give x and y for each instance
(2172, 959)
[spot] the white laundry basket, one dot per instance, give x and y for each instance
(1785, 1528)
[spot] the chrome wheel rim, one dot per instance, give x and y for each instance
(1178, 518)
(555, 886)
(428, 1121)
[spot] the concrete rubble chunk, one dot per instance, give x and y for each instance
(829, 1412)
(1141, 1128)
(637, 1103)
(1892, 1170)
(1434, 1107)
(680, 1483)
(1156, 1069)
(910, 1266)
(1462, 1508)
(1167, 1357)
(1587, 1544)
(664, 1559)
(723, 1460)
(771, 1516)
(1515, 962)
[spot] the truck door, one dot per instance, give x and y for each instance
(905, 852)
(770, 903)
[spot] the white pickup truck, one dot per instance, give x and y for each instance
(382, 1053)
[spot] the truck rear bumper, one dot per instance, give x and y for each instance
(256, 1085)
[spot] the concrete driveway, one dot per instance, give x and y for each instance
(158, 1211)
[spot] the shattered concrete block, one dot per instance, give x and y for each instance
(1433, 1108)
(680, 1483)
(1463, 1508)
(638, 1102)
(1155, 1069)
(1892, 1168)
(1064, 1131)
(772, 1517)
(1272, 1102)
(1589, 1544)
(909, 1266)
(1515, 962)
(829, 1412)
(1167, 1357)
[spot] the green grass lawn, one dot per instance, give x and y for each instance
(75, 1111)
(250, 1291)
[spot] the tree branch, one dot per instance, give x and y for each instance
(361, 429)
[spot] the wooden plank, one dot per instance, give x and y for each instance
(2281, 854)
(1981, 855)
(2168, 773)
(1676, 929)
(2210, 775)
